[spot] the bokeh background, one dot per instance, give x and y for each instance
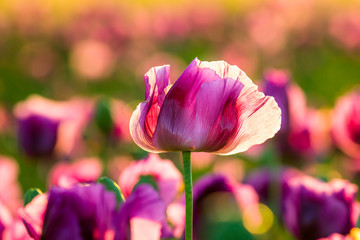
(97, 52)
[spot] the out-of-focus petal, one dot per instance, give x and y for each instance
(67, 174)
(33, 215)
(166, 175)
(142, 206)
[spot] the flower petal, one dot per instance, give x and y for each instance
(176, 122)
(144, 119)
(216, 114)
(260, 119)
(259, 116)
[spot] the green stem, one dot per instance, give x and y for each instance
(188, 195)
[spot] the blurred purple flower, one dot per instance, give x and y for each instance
(37, 135)
(82, 212)
(141, 216)
(314, 209)
(89, 212)
(42, 121)
(81, 171)
(16, 231)
(212, 107)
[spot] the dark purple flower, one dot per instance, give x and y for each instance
(37, 135)
(313, 209)
(79, 213)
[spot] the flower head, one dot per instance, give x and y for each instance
(89, 211)
(212, 107)
(346, 124)
(313, 209)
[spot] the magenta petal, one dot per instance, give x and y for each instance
(216, 116)
(144, 119)
(176, 122)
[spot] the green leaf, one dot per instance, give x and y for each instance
(112, 186)
(358, 222)
(103, 116)
(31, 194)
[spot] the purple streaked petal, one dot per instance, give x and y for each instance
(144, 119)
(176, 122)
(259, 119)
(216, 116)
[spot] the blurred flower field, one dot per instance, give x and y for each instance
(72, 76)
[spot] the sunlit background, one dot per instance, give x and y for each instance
(91, 56)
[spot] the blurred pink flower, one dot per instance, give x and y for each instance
(33, 215)
(346, 123)
(92, 60)
(5, 219)
(81, 171)
(310, 137)
(304, 132)
(16, 231)
(46, 124)
(345, 28)
(166, 176)
(10, 191)
(212, 107)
